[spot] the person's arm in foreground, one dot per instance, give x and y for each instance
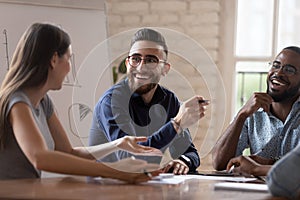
(226, 146)
(284, 177)
(60, 160)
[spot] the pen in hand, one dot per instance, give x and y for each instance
(203, 101)
(231, 169)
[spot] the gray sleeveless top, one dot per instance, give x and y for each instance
(13, 162)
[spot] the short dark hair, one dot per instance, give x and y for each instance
(149, 35)
(293, 48)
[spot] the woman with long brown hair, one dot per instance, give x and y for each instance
(32, 139)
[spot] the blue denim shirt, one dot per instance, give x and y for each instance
(284, 177)
(119, 112)
(268, 136)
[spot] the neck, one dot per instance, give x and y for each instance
(35, 95)
(149, 95)
(282, 109)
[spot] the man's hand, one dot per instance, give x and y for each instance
(243, 165)
(256, 101)
(178, 167)
(247, 166)
(190, 112)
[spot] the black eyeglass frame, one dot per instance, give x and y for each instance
(287, 69)
(147, 64)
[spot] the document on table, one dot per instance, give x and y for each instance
(224, 178)
(177, 179)
(254, 187)
(168, 179)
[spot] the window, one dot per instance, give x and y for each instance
(263, 28)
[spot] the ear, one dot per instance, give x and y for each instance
(127, 64)
(166, 69)
(54, 60)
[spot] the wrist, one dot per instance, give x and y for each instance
(242, 116)
(186, 160)
(116, 144)
(176, 125)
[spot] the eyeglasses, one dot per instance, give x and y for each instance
(287, 69)
(150, 61)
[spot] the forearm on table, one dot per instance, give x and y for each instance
(261, 170)
(226, 146)
(59, 162)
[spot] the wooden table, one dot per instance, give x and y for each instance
(74, 187)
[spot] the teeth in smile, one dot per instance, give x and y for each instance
(277, 82)
(141, 76)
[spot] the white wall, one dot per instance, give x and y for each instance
(87, 28)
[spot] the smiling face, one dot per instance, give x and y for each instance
(142, 79)
(283, 86)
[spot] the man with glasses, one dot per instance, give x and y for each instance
(139, 106)
(268, 123)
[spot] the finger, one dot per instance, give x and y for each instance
(264, 103)
(147, 152)
(201, 115)
(203, 102)
(140, 139)
(168, 166)
(181, 169)
(203, 107)
(186, 170)
(176, 168)
(156, 173)
(232, 162)
(141, 148)
(229, 166)
(164, 170)
(264, 99)
(265, 108)
(155, 152)
(267, 98)
(236, 170)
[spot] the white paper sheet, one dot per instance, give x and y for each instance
(223, 178)
(177, 179)
(254, 187)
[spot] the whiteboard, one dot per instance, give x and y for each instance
(87, 28)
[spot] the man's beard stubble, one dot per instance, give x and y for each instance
(143, 89)
(287, 94)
